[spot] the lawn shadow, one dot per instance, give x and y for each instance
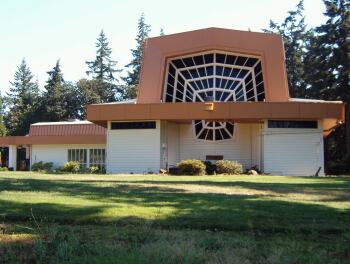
(189, 210)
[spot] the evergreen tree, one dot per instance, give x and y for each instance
(60, 98)
(3, 131)
(133, 77)
(103, 70)
(329, 70)
(21, 101)
(161, 33)
(87, 93)
(295, 37)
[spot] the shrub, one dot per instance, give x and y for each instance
(191, 167)
(228, 167)
(42, 166)
(93, 169)
(71, 166)
(4, 169)
(210, 168)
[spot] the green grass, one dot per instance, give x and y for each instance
(173, 219)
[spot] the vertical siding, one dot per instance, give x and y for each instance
(173, 142)
(133, 150)
(293, 151)
(239, 148)
(58, 154)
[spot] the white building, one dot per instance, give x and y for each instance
(208, 94)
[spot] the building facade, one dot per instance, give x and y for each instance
(208, 94)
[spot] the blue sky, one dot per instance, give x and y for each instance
(42, 31)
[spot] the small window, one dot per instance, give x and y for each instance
(133, 125)
(78, 155)
(291, 124)
(98, 158)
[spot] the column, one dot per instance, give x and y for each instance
(13, 157)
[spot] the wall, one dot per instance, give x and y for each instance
(293, 151)
(133, 150)
(242, 148)
(58, 154)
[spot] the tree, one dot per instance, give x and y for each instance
(161, 33)
(103, 70)
(133, 76)
(60, 98)
(329, 70)
(3, 131)
(295, 38)
(87, 93)
(21, 101)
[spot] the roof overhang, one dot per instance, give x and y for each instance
(43, 140)
(332, 112)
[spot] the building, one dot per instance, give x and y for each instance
(208, 94)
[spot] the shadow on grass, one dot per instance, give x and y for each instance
(190, 210)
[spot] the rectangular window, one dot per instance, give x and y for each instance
(78, 155)
(134, 125)
(98, 158)
(291, 124)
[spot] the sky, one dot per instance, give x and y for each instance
(42, 31)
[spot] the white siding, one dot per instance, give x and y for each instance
(293, 151)
(240, 148)
(173, 144)
(58, 154)
(133, 150)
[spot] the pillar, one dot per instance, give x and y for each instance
(13, 156)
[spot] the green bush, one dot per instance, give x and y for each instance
(71, 166)
(42, 166)
(228, 167)
(210, 168)
(93, 169)
(4, 169)
(191, 167)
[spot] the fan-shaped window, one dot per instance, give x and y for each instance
(214, 76)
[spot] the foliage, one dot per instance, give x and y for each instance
(59, 100)
(93, 169)
(210, 168)
(71, 166)
(3, 130)
(42, 166)
(4, 169)
(228, 167)
(103, 70)
(191, 167)
(295, 38)
(329, 75)
(21, 101)
(133, 76)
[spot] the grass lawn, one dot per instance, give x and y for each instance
(49, 218)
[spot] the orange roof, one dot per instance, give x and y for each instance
(77, 132)
(77, 128)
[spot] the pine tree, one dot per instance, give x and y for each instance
(60, 98)
(295, 37)
(329, 70)
(103, 69)
(161, 33)
(21, 101)
(3, 131)
(133, 77)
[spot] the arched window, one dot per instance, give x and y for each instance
(214, 76)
